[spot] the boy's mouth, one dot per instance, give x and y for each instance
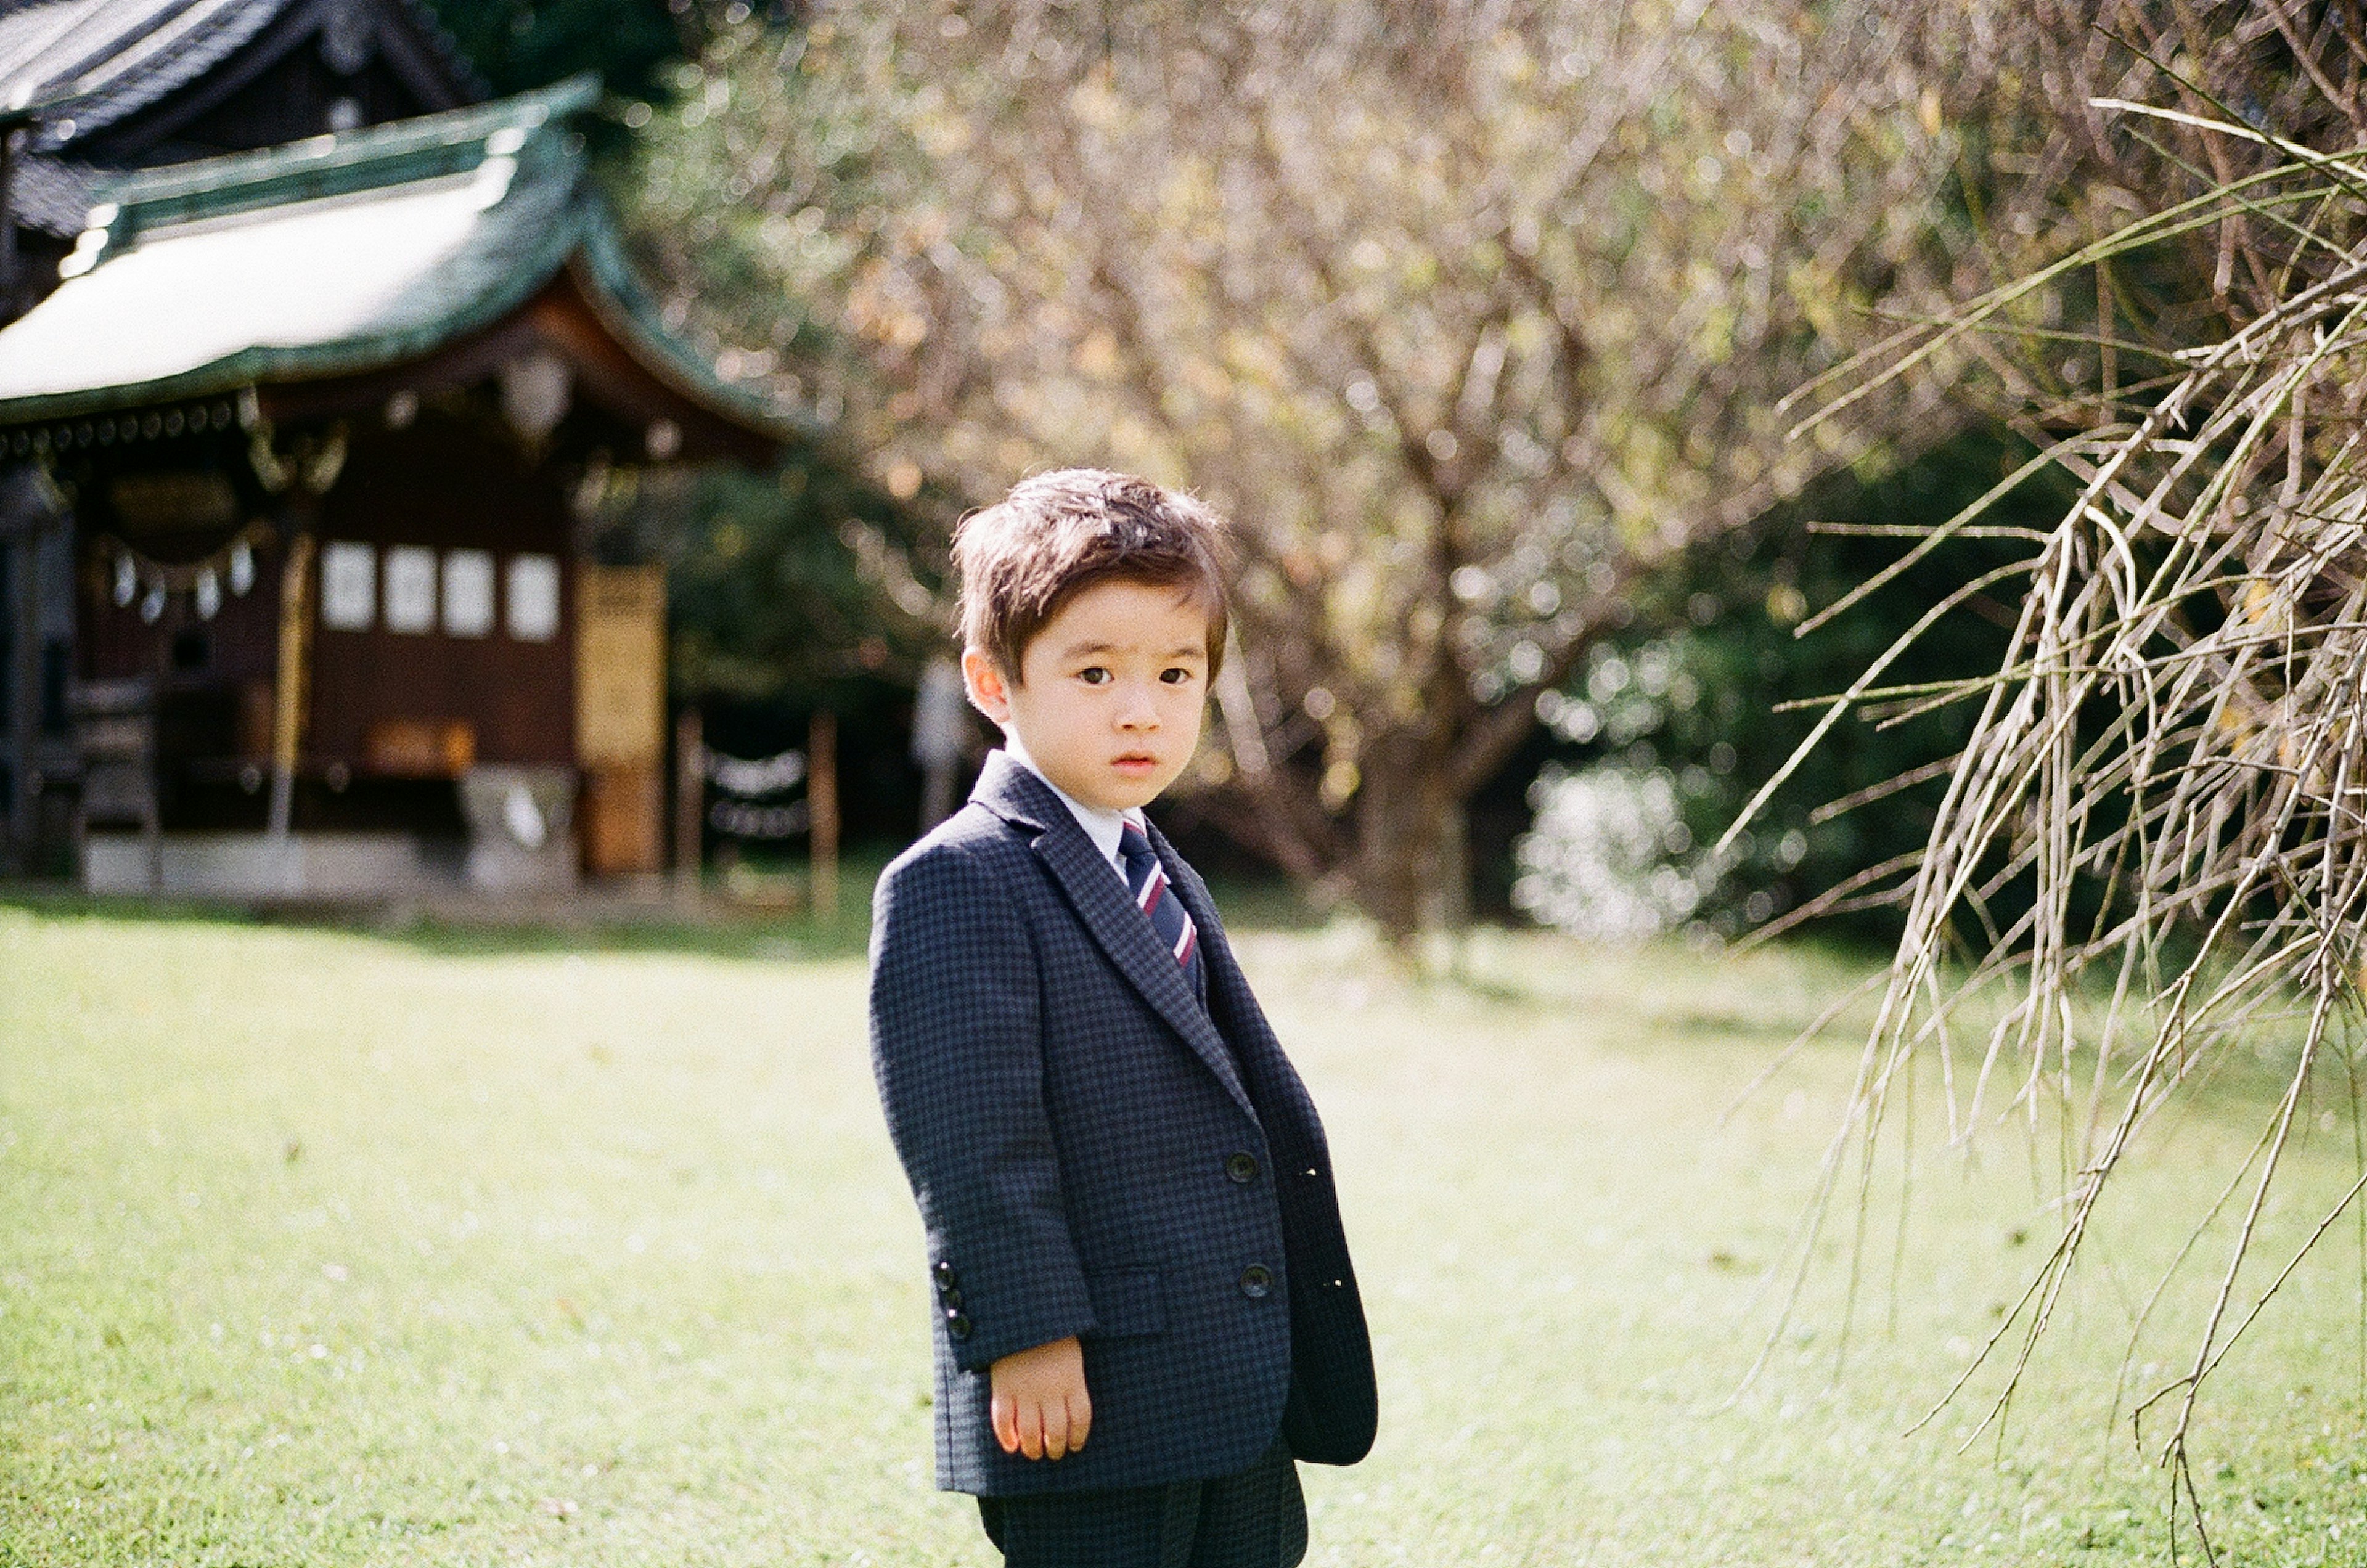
(1135, 762)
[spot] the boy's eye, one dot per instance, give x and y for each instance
(1093, 675)
(1175, 675)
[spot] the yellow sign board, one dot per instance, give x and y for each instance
(620, 666)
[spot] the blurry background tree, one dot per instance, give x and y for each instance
(519, 44)
(786, 592)
(1472, 319)
(786, 583)
(1687, 709)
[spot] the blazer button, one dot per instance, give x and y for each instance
(951, 1297)
(958, 1325)
(1256, 1280)
(944, 1273)
(1241, 1168)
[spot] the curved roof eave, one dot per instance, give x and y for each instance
(81, 66)
(624, 306)
(345, 256)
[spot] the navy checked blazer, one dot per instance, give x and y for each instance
(1095, 1153)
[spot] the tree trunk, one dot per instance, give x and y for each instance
(1412, 864)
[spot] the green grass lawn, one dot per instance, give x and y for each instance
(320, 1247)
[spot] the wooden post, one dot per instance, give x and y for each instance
(822, 799)
(689, 802)
(152, 798)
(20, 667)
(12, 139)
(295, 649)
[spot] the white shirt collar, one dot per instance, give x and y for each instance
(1102, 825)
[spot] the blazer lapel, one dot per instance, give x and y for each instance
(1018, 796)
(1229, 994)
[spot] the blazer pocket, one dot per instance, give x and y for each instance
(1126, 1303)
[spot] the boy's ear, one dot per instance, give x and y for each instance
(983, 679)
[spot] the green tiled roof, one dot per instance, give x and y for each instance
(334, 257)
(83, 65)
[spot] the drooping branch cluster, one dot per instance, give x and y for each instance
(2153, 848)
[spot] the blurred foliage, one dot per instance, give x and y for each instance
(1472, 319)
(780, 584)
(519, 44)
(1692, 691)
(786, 592)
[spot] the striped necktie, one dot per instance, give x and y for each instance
(1147, 879)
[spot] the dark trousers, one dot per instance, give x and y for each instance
(1253, 1518)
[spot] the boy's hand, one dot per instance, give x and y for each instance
(1040, 1407)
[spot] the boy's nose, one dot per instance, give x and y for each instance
(1138, 711)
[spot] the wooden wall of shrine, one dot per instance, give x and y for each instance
(444, 622)
(445, 631)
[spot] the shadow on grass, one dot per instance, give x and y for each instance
(721, 923)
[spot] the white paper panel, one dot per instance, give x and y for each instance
(468, 593)
(348, 585)
(409, 588)
(534, 598)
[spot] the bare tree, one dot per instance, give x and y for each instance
(1469, 312)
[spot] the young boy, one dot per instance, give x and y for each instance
(1132, 1233)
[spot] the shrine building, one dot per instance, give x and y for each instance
(295, 443)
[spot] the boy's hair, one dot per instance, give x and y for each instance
(1022, 559)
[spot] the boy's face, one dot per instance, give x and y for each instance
(1110, 693)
